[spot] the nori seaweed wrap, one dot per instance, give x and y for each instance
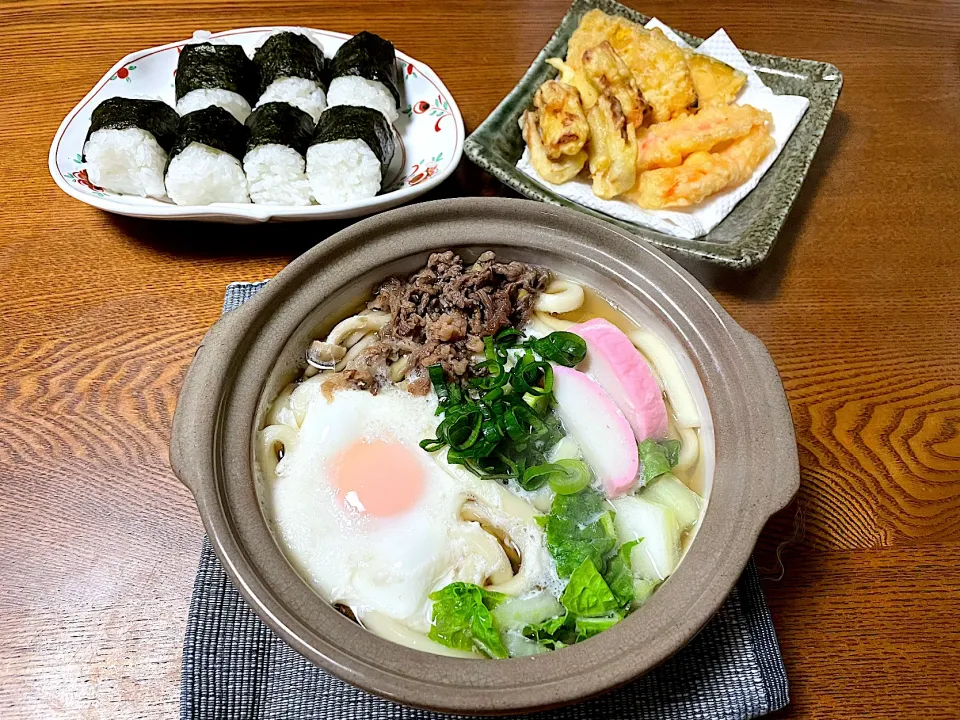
(153, 116)
(350, 122)
(289, 54)
(279, 123)
(225, 67)
(211, 126)
(369, 56)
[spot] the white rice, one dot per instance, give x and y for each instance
(126, 161)
(342, 171)
(299, 92)
(202, 98)
(275, 176)
(354, 90)
(201, 175)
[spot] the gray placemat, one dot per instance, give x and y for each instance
(235, 667)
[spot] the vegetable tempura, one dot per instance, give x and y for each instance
(666, 144)
(716, 83)
(703, 173)
(557, 171)
(654, 121)
(658, 65)
(605, 70)
(613, 148)
(563, 126)
(577, 78)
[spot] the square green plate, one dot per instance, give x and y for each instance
(747, 234)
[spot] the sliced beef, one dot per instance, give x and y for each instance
(448, 327)
(440, 314)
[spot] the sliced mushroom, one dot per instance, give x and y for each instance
(324, 355)
(355, 350)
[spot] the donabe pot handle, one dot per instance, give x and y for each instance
(194, 420)
(774, 436)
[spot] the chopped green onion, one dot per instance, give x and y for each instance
(497, 376)
(508, 337)
(522, 423)
(462, 429)
(498, 424)
(439, 383)
(566, 477)
(489, 351)
(563, 348)
(573, 478)
(493, 395)
(539, 403)
(536, 477)
(432, 445)
(534, 377)
(513, 469)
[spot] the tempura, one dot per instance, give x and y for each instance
(667, 144)
(703, 173)
(563, 126)
(613, 148)
(658, 65)
(577, 78)
(716, 82)
(605, 70)
(558, 171)
(655, 122)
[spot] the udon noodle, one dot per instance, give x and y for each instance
(495, 536)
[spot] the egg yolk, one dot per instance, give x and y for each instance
(378, 478)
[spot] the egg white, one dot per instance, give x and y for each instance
(388, 566)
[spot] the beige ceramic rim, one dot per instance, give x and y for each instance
(242, 356)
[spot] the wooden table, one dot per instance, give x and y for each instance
(860, 306)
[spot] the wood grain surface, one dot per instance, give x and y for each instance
(859, 305)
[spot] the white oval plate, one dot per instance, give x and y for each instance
(429, 136)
